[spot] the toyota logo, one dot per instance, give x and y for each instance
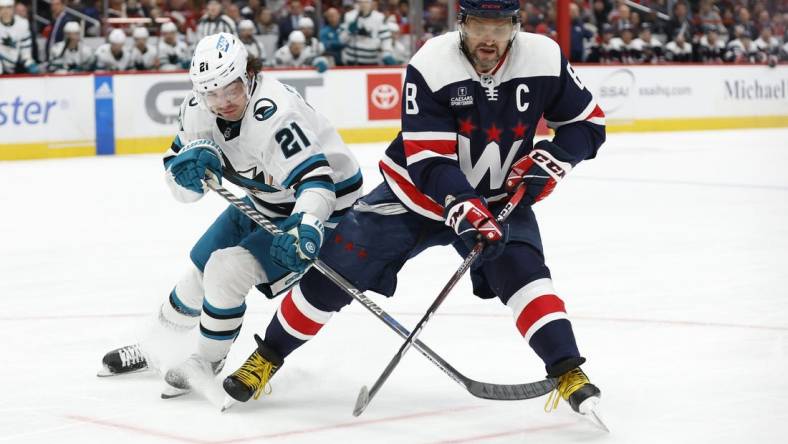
(385, 96)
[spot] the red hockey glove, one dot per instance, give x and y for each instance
(540, 170)
(473, 222)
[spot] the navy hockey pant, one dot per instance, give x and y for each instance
(369, 247)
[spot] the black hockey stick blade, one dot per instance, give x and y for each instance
(514, 392)
(362, 401)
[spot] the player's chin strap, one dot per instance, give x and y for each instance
(485, 390)
(365, 395)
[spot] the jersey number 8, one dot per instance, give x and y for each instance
(287, 140)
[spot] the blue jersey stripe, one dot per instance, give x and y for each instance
(302, 168)
(315, 184)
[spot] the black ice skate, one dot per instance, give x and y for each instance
(196, 369)
(123, 360)
(575, 388)
(251, 379)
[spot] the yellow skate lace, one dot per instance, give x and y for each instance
(568, 383)
(255, 373)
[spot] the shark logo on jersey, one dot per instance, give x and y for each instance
(264, 109)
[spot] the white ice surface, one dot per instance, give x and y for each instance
(669, 249)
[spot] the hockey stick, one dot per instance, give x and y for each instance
(365, 395)
(485, 390)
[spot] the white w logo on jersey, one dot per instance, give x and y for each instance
(490, 160)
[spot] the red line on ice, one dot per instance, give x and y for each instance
(507, 433)
(133, 428)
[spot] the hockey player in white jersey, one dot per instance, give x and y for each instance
(71, 54)
(16, 56)
(295, 53)
(254, 49)
(173, 53)
(249, 129)
(366, 37)
(114, 55)
(143, 54)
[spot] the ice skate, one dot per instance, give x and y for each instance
(575, 388)
(123, 360)
(181, 379)
(251, 379)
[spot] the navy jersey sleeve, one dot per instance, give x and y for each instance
(429, 136)
(574, 114)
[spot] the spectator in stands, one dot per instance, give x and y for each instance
(620, 18)
(678, 49)
(435, 22)
(253, 47)
(329, 35)
(680, 22)
(712, 46)
(173, 52)
(266, 24)
(708, 16)
(234, 12)
(601, 9)
(742, 49)
(744, 21)
(647, 48)
(767, 44)
(184, 17)
(295, 54)
(608, 49)
(114, 55)
(71, 54)
(399, 50)
(290, 21)
(59, 20)
(366, 37)
(579, 35)
(143, 54)
(764, 21)
(214, 21)
(134, 9)
(629, 52)
(16, 55)
(784, 49)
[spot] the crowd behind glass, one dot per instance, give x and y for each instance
(146, 35)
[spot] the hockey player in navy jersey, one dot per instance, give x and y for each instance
(472, 100)
(249, 129)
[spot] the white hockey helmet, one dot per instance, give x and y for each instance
(296, 37)
(245, 24)
(117, 36)
(6, 3)
(306, 22)
(71, 27)
(140, 33)
(218, 60)
(169, 27)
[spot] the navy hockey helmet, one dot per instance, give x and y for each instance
(489, 9)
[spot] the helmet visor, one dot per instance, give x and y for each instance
(231, 93)
(488, 28)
